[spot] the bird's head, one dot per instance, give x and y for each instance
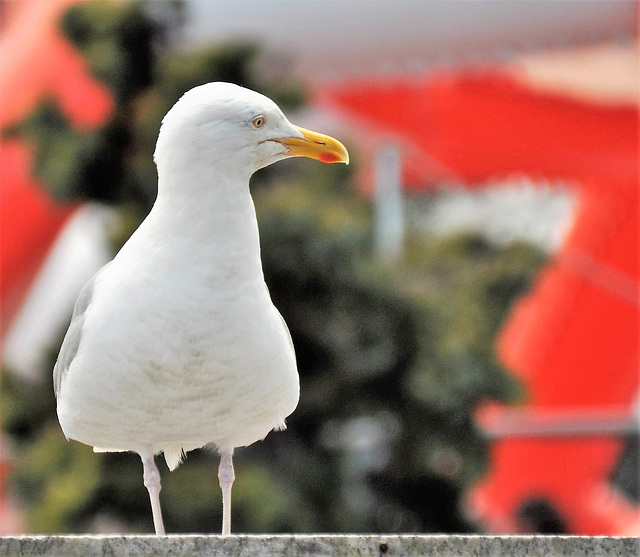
(229, 125)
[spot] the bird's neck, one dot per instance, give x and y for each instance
(217, 223)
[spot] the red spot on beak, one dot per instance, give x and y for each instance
(329, 157)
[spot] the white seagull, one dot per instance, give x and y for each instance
(175, 344)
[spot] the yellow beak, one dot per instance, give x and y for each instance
(316, 146)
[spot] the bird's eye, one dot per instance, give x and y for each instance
(258, 122)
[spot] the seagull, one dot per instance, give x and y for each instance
(175, 344)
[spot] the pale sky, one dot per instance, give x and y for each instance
(341, 36)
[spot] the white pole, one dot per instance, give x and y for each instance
(388, 203)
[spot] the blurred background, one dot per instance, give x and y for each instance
(463, 297)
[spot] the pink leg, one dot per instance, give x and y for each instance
(152, 483)
(226, 477)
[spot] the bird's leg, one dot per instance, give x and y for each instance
(152, 483)
(226, 477)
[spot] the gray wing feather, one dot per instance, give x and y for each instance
(71, 341)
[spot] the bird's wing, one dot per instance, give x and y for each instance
(286, 328)
(284, 323)
(71, 341)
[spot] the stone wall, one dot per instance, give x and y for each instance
(317, 545)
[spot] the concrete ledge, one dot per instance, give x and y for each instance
(318, 545)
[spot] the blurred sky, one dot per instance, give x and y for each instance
(323, 37)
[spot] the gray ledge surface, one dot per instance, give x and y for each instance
(318, 545)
